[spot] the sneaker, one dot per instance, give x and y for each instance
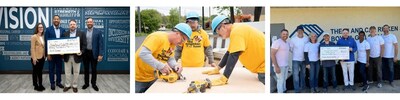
(365, 88)
(336, 90)
(325, 90)
(361, 85)
(345, 87)
(352, 87)
(316, 90)
(391, 84)
(379, 85)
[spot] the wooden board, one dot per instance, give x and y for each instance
(241, 81)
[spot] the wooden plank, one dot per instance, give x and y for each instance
(241, 81)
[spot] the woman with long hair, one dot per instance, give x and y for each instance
(37, 56)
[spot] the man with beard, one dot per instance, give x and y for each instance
(55, 61)
(93, 53)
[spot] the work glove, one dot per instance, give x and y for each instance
(220, 81)
(212, 71)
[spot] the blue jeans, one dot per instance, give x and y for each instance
(388, 65)
(261, 77)
(55, 65)
(331, 70)
(272, 79)
(299, 75)
(363, 73)
(314, 72)
(281, 79)
(141, 87)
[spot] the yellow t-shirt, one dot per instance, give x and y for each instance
(193, 49)
(251, 42)
(161, 49)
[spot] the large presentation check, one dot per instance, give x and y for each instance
(334, 53)
(63, 46)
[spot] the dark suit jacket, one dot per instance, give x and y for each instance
(51, 34)
(97, 43)
(82, 40)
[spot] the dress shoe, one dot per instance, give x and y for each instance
(95, 87)
(75, 90)
(36, 88)
(85, 86)
(66, 89)
(53, 87)
(41, 88)
(60, 85)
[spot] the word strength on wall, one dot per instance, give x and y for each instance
(17, 25)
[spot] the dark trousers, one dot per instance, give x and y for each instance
(37, 72)
(329, 70)
(141, 87)
(363, 72)
(90, 63)
(375, 64)
(55, 65)
(261, 78)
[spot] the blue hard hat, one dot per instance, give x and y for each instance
(185, 29)
(192, 15)
(216, 21)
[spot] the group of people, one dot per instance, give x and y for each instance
(188, 42)
(375, 53)
(91, 52)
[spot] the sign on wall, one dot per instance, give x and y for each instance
(17, 26)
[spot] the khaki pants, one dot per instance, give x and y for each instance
(71, 65)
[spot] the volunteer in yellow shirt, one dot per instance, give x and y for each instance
(193, 52)
(247, 45)
(156, 53)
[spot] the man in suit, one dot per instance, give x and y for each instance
(73, 61)
(55, 61)
(93, 53)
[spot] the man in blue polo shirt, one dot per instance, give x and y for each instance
(348, 65)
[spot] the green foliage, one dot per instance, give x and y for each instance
(173, 17)
(150, 20)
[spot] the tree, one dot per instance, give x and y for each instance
(173, 17)
(164, 20)
(225, 10)
(150, 19)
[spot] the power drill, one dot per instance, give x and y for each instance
(199, 86)
(172, 77)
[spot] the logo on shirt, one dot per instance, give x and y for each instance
(194, 42)
(165, 54)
